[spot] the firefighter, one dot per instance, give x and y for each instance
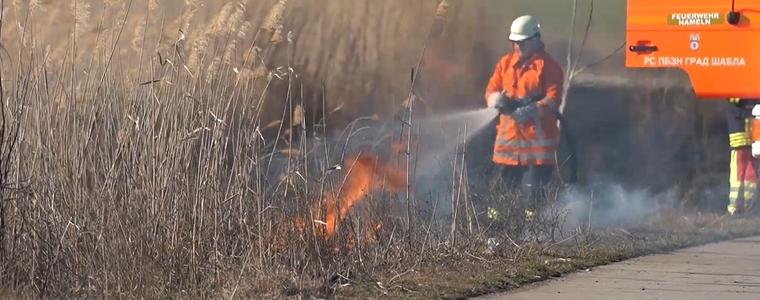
(526, 86)
(743, 167)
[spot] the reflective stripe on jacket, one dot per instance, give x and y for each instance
(535, 141)
(738, 112)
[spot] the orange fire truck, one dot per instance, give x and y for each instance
(715, 42)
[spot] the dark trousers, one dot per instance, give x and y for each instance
(531, 179)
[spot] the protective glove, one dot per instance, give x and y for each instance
(525, 113)
(497, 100)
(756, 110)
(505, 105)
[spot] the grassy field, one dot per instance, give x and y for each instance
(478, 271)
(268, 148)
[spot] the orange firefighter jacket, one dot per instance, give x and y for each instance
(533, 142)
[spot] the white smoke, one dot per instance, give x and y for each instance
(607, 203)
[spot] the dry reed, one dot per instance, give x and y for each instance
(177, 167)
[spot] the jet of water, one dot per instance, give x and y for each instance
(440, 137)
(453, 123)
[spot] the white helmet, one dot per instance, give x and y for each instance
(523, 28)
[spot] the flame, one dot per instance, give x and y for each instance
(398, 146)
(365, 173)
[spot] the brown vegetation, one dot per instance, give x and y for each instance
(186, 148)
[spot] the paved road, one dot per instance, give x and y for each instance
(726, 270)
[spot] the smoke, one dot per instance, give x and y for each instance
(443, 140)
(605, 203)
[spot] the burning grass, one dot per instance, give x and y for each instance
(180, 185)
(365, 174)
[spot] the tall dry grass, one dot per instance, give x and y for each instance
(369, 42)
(169, 148)
(139, 156)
